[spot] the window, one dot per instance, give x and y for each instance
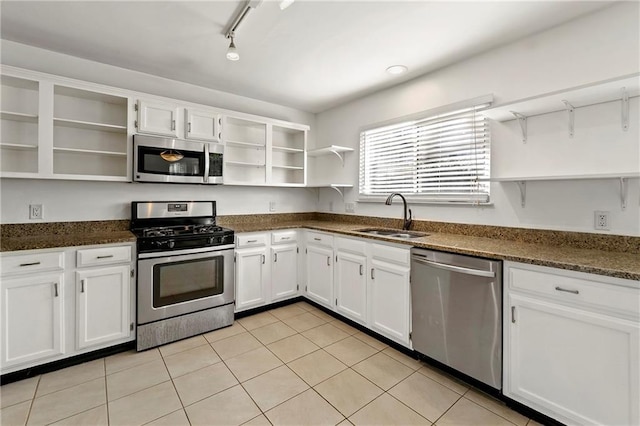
(438, 156)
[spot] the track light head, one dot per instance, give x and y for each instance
(232, 52)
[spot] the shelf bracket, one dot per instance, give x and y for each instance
(522, 185)
(570, 110)
(339, 191)
(522, 120)
(624, 189)
(340, 156)
(625, 109)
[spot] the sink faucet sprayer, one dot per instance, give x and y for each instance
(406, 224)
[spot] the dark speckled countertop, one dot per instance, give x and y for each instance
(610, 255)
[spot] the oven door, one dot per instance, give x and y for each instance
(169, 160)
(174, 283)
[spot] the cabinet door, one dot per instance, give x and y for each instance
(103, 305)
(201, 125)
(389, 311)
(573, 365)
(157, 118)
(284, 272)
(32, 320)
(251, 278)
(320, 275)
(351, 285)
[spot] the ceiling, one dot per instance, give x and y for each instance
(312, 56)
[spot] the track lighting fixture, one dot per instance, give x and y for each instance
(232, 52)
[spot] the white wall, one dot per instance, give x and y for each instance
(596, 47)
(76, 200)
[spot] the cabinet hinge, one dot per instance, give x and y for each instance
(133, 273)
(336, 302)
(297, 249)
(297, 286)
(336, 258)
(131, 326)
(135, 123)
(305, 288)
(234, 258)
(410, 336)
(135, 106)
(305, 251)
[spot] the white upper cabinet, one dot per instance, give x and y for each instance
(202, 125)
(157, 118)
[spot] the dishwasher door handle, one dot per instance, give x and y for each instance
(460, 269)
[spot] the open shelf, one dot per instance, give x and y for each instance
(244, 164)
(288, 167)
(336, 150)
(288, 150)
(18, 116)
(90, 151)
(78, 124)
(247, 145)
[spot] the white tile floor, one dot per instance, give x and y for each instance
(293, 365)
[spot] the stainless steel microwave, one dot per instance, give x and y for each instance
(176, 161)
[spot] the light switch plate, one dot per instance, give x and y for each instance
(272, 206)
(350, 207)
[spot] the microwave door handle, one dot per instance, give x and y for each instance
(206, 163)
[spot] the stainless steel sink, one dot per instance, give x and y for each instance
(393, 233)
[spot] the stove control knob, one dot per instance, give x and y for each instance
(171, 244)
(212, 240)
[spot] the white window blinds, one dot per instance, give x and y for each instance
(439, 158)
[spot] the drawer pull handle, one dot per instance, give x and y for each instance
(275, 257)
(567, 291)
(285, 238)
(373, 277)
(173, 124)
(361, 270)
(263, 259)
(81, 286)
(30, 264)
(55, 289)
(252, 241)
(317, 239)
(328, 260)
(105, 257)
(513, 314)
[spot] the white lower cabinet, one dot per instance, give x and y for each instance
(32, 321)
(389, 298)
(568, 355)
(266, 268)
(103, 305)
(48, 294)
(350, 279)
(319, 286)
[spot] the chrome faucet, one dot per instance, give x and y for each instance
(406, 224)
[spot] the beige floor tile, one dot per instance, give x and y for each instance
(292, 347)
(70, 376)
(257, 320)
(348, 391)
(236, 345)
(191, 360)
(144, 406)
(274, 387)
(135, 379)
(253, 363)
(383, 370)
(65, 403)
(316, 367)
(177, 418)
(344, 327)
(405, 359)
(231, 407)
(444, 379)
(308, 408)
(287, 311)
(325, 335)
(223, 333)
(129, 359)
(496, 406)
(350, 350)
(427, 397)
(371, 341)
(385, 410)
(273, 332)
(17, 392)
(345, 422)
(467, 413)
(304, 305)
(322, 315)
(15, 415)
(533, 423)
(200, 384)
(182, 345)
(304, 322)
(260, 420)
(94, 417)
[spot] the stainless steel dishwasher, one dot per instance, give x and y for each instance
(456, 314)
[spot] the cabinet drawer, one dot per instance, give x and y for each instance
(390, 254)
(281, 237)
(354, 246)
(103, 256)
(570, 288)
(318, 238)
(30, 263)
(251, 240)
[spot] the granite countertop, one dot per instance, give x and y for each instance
(601, 262)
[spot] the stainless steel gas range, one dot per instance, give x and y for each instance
(185, 268)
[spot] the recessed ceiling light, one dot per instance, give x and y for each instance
(397, 69)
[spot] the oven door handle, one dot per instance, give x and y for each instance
(168, 253)
(206, 164)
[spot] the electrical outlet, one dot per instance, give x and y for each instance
(272, 206)
(601, 220)
(350, 207)
(35, 211)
